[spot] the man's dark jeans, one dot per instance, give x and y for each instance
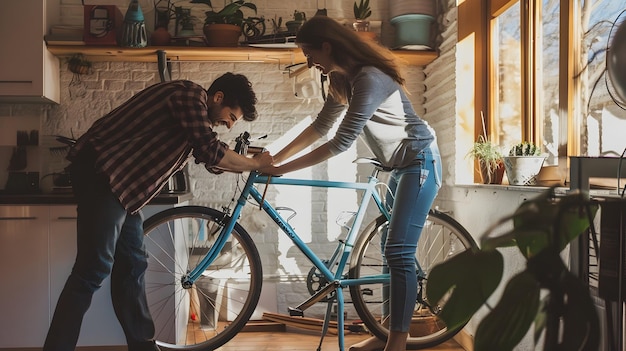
(109, 242)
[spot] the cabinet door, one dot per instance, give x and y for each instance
(24, 298)
(27, 70)
(100, 326)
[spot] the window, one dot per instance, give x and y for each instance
(524, 74)
(507, 76)
(537, 93)
(604, 118)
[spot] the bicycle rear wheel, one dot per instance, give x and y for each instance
(206, 313)
(441, 238)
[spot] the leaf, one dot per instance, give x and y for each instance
(540, 320)
(537, 221)
(471, 277)
(506, 325)
(581, 328)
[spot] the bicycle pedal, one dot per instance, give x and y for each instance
(356, 328)
(294, 312)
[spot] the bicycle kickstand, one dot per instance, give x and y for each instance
(340, 319)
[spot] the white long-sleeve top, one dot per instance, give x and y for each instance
(380, 111)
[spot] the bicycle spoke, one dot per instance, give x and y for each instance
(441, 238)
(205, 313)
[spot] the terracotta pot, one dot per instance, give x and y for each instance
(491, 178)
(160, 37)
(222, 34)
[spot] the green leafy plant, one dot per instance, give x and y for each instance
(487, 154)
(230, 14)
(79, 64)
(545, 293)
(362, 10)
(525, 149)
(184, 17)
(277, 24)
(299, 18)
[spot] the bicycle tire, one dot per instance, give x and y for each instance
(211, 311)
(441, 238)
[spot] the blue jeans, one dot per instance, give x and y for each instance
(415, 188)
(109, 242)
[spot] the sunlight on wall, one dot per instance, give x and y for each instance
(603, 134)
(313, 204)
(298, 198)
(465, 107)
(340, 201)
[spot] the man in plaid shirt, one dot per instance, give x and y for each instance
(117, 167)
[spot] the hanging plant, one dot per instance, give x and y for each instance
(78, 64)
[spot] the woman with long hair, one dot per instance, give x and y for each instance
(366, 84)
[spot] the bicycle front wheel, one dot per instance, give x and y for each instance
(205, 313)
(442, 238)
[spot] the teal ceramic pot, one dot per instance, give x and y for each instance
(412, 30)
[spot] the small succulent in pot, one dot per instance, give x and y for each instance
(523, 164)
(525, 149)
(362, 11)
(299, 18)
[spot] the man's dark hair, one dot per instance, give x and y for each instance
(237, 91)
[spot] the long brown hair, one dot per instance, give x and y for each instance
(349, 50)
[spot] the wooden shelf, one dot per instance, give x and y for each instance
(238, 54)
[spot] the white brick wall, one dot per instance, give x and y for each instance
(111, 83)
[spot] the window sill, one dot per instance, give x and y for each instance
(518, 188)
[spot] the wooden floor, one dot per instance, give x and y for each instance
(302, 340)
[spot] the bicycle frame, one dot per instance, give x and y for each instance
(336, 279)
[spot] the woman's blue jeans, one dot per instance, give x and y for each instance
(415, 188)
(109, 242)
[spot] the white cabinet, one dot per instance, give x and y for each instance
(37, 252)
(24, 299)
(100, 326)
(28, 71)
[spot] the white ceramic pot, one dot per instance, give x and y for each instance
(523, 170)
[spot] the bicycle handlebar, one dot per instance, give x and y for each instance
(243, 146)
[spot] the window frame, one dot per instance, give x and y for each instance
(486, 89)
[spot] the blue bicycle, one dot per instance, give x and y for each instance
(205, 274)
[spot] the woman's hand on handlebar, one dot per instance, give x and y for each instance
(271, 170)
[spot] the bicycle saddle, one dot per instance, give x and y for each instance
(374, 162)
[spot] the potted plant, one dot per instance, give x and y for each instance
(78, 64)
(545, 293)
(184, 22)
(523, 163)
(224, 27)
(362, 12)
(298, 19)
(277, 25)
(489, 160)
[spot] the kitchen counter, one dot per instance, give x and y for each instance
(68, 198)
